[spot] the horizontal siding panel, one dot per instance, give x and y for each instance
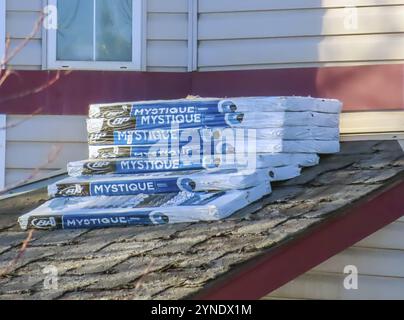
(167, 26)
(294, 65)
(20, 25)
(303, 49)
(176, 6)
(23, 67)
(16, 177)
(30, 55)
(369, 122)
(317, 22)
(24, 5)
(47, 128)
(390, 237)
(330, 286)
(35, 155)
(255, 5)
(375, 262)
(167, 69)
(167, 53)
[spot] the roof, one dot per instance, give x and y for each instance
(306, 220)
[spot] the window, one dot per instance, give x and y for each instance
(96, 34)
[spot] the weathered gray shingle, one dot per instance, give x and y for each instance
(175, 261)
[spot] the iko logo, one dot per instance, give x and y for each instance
(44, 223)
(97, 136)
(98, 166)
(114, 114)
(72, 191)
(118, 122)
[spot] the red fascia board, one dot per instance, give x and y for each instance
(286, 262)
(375, 87)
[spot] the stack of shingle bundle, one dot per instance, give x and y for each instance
(186, 160)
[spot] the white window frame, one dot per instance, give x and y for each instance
(2, 30)
(137, 46)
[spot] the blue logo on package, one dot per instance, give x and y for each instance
(175, 108)
(155, 165)
(234, 119)
(188, 120)
(228, 106)
(187, 184)
(112, 220)
(145, 186)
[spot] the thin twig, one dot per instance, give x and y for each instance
(25, 119)
(20, 254)
(52, 156)
(140, 282)
(37, 89)
(24, 42)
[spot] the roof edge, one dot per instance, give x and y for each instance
(291, 258)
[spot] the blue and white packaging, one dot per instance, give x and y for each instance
(143, 209)
(213, 105)
(254, 120)
(220, 148)
(278, 104)
(155, 136)
(133, 166)
(237, 161)
(169, 182)
(151, 108)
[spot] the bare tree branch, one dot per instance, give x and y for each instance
(6, 271)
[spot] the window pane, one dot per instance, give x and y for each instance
(75, 30)
(114, 30)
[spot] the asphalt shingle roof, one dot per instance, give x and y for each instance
(177, 261)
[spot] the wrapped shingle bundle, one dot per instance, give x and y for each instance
(154, 183)
(252, 120)
(136, 166)
(220, 148)
(156, 136)
(160, 162)
(143, 209)
(213, 105)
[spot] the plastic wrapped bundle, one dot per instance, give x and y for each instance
(144, 137)
(235, 120)
(143, 209)
(131, 166)
(214, 105)
(263, 160)
(154, 183)
(271, 104)
(136, 166)
(198, 150)
(158, 107)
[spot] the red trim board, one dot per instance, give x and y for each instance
(375, 87)
(288, 261)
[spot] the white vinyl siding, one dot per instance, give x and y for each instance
(167, 35)
(379, 259)
(240, 35)
(292, 33)
(39, 145)
(21, 16)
